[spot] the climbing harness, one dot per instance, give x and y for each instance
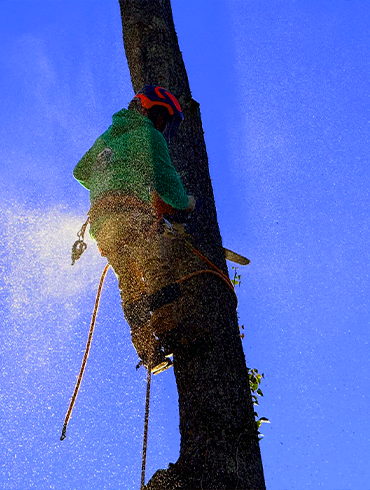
(79, 245)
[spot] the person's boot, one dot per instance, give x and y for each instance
(156, 361)
(160, 362)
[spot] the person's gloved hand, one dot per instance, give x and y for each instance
(191, 204)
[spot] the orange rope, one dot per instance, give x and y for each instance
(205, 271)
(216, 270)
(92, 326)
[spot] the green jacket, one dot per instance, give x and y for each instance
(132, 157)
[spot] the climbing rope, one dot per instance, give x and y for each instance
(216, 271)
(146, 425)
(88, 344)
(80, 376)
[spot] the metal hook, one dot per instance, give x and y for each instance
(78, 249)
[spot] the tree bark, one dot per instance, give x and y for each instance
(219, 440)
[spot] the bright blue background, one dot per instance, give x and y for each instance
(284, 93)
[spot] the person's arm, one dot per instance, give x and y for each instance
(167, 182)
(83, 169)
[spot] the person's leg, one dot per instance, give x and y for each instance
(152, 256)
(113, 241)
(120, 240)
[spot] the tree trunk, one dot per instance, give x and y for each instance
(219, 440)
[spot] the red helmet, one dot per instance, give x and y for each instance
(153, 95)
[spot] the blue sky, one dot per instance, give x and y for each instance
(283, 88)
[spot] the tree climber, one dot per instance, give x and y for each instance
(132, 182)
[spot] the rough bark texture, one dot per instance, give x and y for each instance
(219, 441)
